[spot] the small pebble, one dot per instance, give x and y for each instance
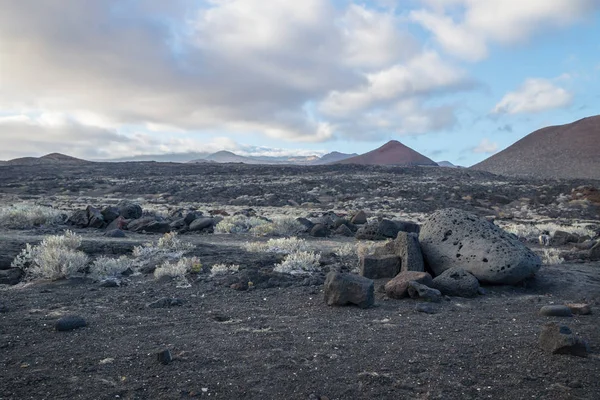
(556, 311)
(69, 323)
(425, 308)
(580, 308)
(164, 357)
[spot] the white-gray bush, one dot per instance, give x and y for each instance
(168, 248)
(279, 226)
(281, 245)
(24, 216)
(106, 267)
(299, 263)
(56, 257)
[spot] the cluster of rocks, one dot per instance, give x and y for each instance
(128, 216)
(459, 249)
(356, 225)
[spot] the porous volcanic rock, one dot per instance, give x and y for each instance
(406, 246)
(418, 291)
(456, 282)
(129, 210)
(455, 238)
(376, 267)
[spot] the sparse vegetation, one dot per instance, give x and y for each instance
(177, 270)
(56, 257)
(222, 269)
(299, 263)
(551, 256)
(281, 245)
(532, 231)
(105, 267)
(279, 226)
(25, 216)
(168, 248)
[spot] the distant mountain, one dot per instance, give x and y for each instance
(570, 151)
(333, 157)
(229, 157)
(391, 153)
(52, 158)
(171, 157)
(447, 164)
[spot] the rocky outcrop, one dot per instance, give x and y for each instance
(455, 238)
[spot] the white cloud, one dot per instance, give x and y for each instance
(423, 75)
(534, 95)
(466, 27)
(243, 66)
(486, 147)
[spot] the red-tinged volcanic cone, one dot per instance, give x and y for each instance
(391, 153)
(570, 151)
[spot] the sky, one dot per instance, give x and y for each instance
(455, 80)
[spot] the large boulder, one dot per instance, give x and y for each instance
(456, 282)
(397, 288)
(342, 289)
(201, 223)
(79, 219)
(455, 238)
(95, 217)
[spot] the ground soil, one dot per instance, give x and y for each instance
(278, 340)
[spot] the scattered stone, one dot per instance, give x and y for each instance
(115, 233)
(342, 289)
(166, 302)
(148, 225)
(381, 230)
(164, 356)
(595, 252)
(110, 214)
(119, 223)
(201, 223)
(558, 339)
(319, 230)
(110, 283)
(11, 276)
(240, 285)
(308, 225)
(561, 238)
(419, 291)
(3, 308)
(79, 219)
(191, 216)
(376, 267)
(343, 230)
(178, 224)
(95, 217)
(556, 311)
(69, 323)
(129, 210)
(456, 282)
(481, 291)
(455, 238)
(580, 308)
(360, 218)
(426, 308)
(407, 226)
(397, 288)
(387, 228)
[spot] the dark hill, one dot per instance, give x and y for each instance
(570, 151)
(391, 153)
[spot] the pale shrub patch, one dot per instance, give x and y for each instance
(177, 270)
(167, 248)
(222, 269)
(239, 224)
(279, 226)
(282, 245)
(106, 267)
(23, 216)
(533, 231)
(56, 257)
(551, 257)
(299, 263)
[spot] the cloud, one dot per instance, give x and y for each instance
(534, 95)
(244, 66)
(465, 28)
(485, 147)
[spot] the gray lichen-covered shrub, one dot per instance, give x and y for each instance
(279, 226)
(299, 263)
(24, 216)
(281, 245)
(105, 267)
(56, 257)
(166, 249)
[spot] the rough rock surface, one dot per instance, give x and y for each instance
(558, 339)
(397, 288)
(407, 247)
(595, 252)
(10, 276)
(455, 238)
(149, 225)
(360, 218)
(342, 289)
(456, 282)
(418, 291)
(201, 223)
(556, 310)
(376, 267)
